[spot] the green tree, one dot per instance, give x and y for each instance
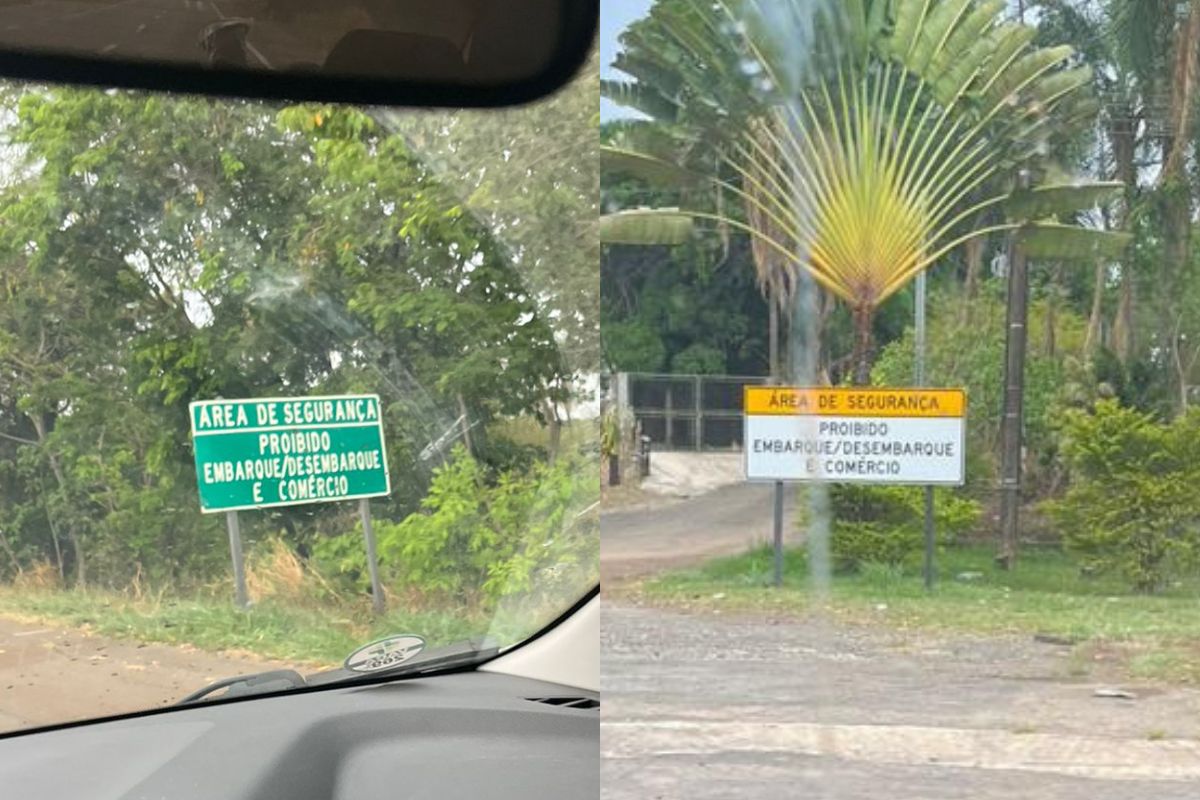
(158, 250)
(1131, 509)
(531, 177)
(963, 97)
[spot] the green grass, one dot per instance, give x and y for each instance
(274, 630)
(1160, 635)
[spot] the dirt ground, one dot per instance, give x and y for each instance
(51, 674)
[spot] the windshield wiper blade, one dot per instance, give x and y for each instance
(241, 685)
(465, 653)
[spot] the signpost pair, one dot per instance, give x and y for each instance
(271, 452)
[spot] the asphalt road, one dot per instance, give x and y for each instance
(52, 674)
(708, 706)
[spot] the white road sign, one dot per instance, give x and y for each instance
(836, 435)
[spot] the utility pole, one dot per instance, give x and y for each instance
(1012, 422)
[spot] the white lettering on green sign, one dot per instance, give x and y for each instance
(265, 452)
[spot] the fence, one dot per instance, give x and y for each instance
(687, 412)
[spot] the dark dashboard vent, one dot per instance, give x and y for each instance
(567, 702)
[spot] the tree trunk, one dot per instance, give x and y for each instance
(1092, 341)
(1050, 342)
(773, 339)
(787, 367)
(1122, 132)
(80, 564)
(58, 556)
(466, 424)
(1185, 73)
(553, 429)
(973, 252)
(1181, 370)
(41, 427)
(1013, 411)
(1123, 339)
(821, 358)
(1173, 180)
(1176, 247)
(864, 316)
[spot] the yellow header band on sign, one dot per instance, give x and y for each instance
(848, 402)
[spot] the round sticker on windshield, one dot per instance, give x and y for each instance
(384, 653)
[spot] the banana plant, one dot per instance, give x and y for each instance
(867, 171)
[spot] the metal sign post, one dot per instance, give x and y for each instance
(930, 533)
(777, 524)
(239, 568)
(778, 533)
(377, 601)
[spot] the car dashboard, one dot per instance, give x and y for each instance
(464, 735)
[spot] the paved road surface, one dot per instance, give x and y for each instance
(50, 674)
(722, 522)
(708, 707)
(705, 708)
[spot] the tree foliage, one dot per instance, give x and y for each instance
(482, 536)
(884, 525)
(1132, 508)
(865, 162)
(158, 250)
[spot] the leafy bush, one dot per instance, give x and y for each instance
(698, 359)
(478, 539)
(342, 560)
(1133, 508)
(884, 525)
(968, 350)
(633, 346)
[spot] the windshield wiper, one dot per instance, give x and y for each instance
(465, 653)
(257, 683)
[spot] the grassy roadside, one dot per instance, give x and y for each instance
(313, 636)
(1155, 638)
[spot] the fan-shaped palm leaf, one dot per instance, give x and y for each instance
(879, 164)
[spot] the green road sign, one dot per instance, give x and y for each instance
(275, 451)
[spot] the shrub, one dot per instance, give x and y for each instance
(698, 359)
(884, 525)
(342, 560)
(482, 536)
(970, 354)
(633, 346)
(275, 572)
(1133, 508)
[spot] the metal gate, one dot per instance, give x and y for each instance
(688, 412)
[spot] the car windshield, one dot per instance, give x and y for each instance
(279, 381)
(901, 306)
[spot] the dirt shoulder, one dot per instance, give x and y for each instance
(51, 674)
